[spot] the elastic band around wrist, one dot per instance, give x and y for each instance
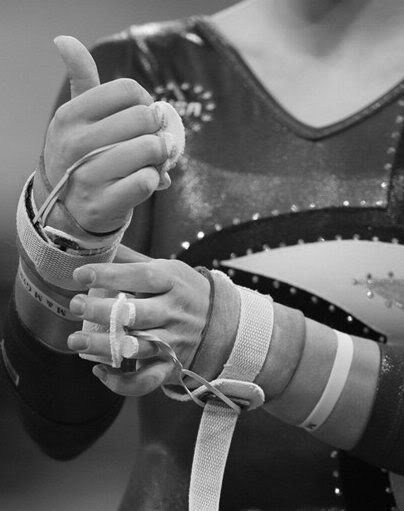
(335, 385)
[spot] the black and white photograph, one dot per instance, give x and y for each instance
(201, 272)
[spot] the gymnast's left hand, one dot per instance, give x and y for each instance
(173, 307)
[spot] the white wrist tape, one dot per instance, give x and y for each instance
(53, 265)
(335, 385)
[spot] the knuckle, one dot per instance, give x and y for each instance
(151, 277)
(89, 311)
(84, 186)
(75, 140)
(91, 214)
(177, 265)
(181, 305)
(128, 87)
(62, 114)
(110, 274)
(176, 269)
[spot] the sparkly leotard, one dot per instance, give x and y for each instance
(253, 178)
(256, 181)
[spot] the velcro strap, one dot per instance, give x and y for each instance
(53, 265)
(218, 421)
(253, 337)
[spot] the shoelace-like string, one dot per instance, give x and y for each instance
(50, 201)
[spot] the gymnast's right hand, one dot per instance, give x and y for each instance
(102, 192)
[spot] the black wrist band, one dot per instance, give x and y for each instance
(206, 273)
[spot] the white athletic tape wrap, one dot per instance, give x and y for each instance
(53, 265)
(118, 318)
(335, 385)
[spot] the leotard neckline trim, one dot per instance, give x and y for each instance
(206, 26)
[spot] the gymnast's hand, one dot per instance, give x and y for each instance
(174, 310)
(102, 192)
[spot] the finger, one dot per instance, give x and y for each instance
(135, 188)
(139, 383)
(80, 65)
(117, 199)
(125, 254)
(98, 344)
(129, 123)
(108, 99)
(133, 277)
(150, 312)
(125, 158)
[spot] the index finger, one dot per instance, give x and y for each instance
(109, 98)
(141, 277)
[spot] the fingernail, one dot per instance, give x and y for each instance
(78, 305)
(100, 372)
(130, 346)
(79, 341)
(85, 276)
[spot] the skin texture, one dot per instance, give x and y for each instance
(103, 191)
(175, 311)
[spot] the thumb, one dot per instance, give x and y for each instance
(80, 65)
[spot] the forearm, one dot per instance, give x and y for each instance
(297, 369)
(63, 406)
(311, 375)
(43, 310)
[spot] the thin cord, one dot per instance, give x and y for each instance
(50, 201)
(166, 348)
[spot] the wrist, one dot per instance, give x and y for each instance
(219, 337)
(310, 377)
(55, 266)
(59, 225)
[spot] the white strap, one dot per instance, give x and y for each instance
(335, 385)
(218, 422)
(211, 450)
